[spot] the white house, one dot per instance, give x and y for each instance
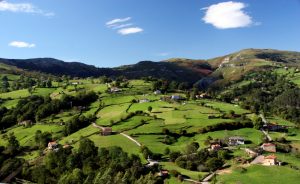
(144, 100)
(236, 140)
(157, 92)
(175, 97)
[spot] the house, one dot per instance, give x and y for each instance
(215, 147)
(25, 123)
(157, 92)
(66, 146)
(151, 162)
(115, 89)
(52, 145)
(270, 160)
(251, 152)
(236, 140)
(175, 97)
(269, 147)
(106, 131)
(203, 95)
(144, 100)
(163, 173)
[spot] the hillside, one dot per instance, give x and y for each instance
(230, 67)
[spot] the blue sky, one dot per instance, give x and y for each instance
(109, 33)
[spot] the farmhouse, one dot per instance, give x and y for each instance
(151, 162)
(270, 160)
(115, 89)
(66, 146)
(176, 97)
(236, 140)
(203, 95)
(269, 147)
(106, 131)
(157, 92)
(144, 100)
(163, 173)
(52, 145)
(215, 147)
(25, 123)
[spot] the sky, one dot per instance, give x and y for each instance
(109, 33)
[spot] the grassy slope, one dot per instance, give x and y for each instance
(261, 174)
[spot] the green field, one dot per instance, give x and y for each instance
(15, 94)
(26, 135)
(261, 174)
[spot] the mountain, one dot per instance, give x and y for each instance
(167, 70)
(58, 67)
(229, 67)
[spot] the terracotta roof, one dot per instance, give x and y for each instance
(268, 144)
(270, 157)
(52, 143)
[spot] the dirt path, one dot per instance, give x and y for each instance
(125, 135)
(132, 139)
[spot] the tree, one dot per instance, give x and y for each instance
(13, 145)
(87, 148)
(214, 163)
(5, 83)
(258, 123)
(49, 83)
(167, 151)
(192, 148)
(149, 108)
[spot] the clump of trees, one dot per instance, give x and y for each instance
(196, 159)
(270, 93)
(91, 165)
(76, 123)
(226, 126)
(35, 108)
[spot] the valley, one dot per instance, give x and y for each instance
(177, 130)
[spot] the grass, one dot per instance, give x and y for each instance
(22, 93)
(84, 132)
(10, 103)
(280, 121)
(261, 174)
(26, 135)
(226, 107)
(43, 91)
(130, 123)
(111, 113)
(249, 134)
(192, 174)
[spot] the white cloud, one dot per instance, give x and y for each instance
(121, 26)
(117, 21)
(130, 30)
(20, 44)
(23, 8)
(227, 15)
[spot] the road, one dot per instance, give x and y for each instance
(265, 122)
(132, 139)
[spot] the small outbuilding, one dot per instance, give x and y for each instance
(106, 131)
(236, 140)
(52, 145)
(269, 147)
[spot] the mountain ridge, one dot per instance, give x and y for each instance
(230, 66)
